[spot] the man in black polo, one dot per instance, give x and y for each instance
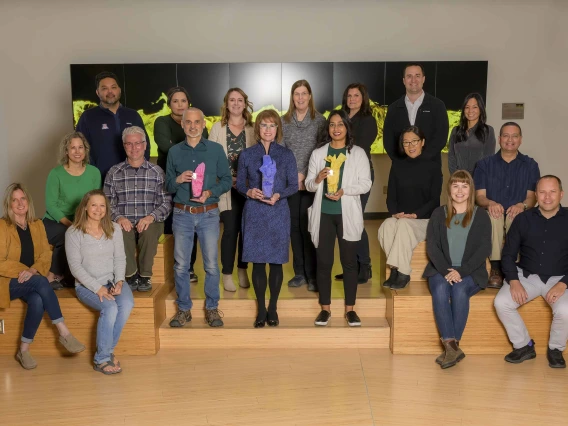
(540, 237)
(505, 184)
(103, 125)
(416, 108)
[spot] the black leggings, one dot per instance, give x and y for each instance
(331, 227)
(232, 236)
(259, 283)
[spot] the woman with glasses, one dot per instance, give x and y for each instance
(267, 176)
(301, 127)
(235, 133)
(414, 188)
(339, 173)
(472, 140)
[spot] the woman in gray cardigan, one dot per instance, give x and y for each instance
(341, 171)
(458, 241)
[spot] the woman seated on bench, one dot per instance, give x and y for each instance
(95, 252)
(458, 242)
(25, 258)
(415, 183)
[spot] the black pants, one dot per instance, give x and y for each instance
(168, 231)
(303, 250)
(56, 237)
(232, 234)
(259, 283)
(363, 253)
(331, 227)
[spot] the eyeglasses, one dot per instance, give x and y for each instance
(136, 144)
(338, 125)
(413, 142)
(268, 126)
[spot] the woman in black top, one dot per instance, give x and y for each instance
(458, 241)
(415, 183)
(364, 127)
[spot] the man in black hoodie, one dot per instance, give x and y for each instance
(416, 108)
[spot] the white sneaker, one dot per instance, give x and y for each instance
(243, 278)
(228, 283)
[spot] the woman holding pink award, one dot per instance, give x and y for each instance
(267, 175)
(338, 173)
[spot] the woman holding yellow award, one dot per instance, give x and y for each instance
(338, 173)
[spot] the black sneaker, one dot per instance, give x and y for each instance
(364, 274)
(297, 281)
(312, 285)
(144, 283)
(400, 282)
(132, 282)
(353, 319)
(180, 318)
(192, 277)
(323, 318)
(522, 354)
(213, 317)
(555, 358)
(339, 277)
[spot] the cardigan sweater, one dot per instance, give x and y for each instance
(219, 135)
(10, 252)
(356, 180)
(477, 247)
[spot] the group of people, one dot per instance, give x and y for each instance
(299, 179)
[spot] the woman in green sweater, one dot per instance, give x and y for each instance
(65, 187)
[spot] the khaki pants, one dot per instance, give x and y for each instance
(399, 237)
(147, 244)
(498, 229)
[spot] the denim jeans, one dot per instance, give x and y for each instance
(206, 226)
(451, 304)
(113, 317)
(39, 296)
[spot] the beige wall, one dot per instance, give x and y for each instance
(524, 42)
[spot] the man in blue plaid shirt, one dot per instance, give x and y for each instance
(139, 203)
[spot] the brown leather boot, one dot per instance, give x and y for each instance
(495, 279)
(453, 354)
(443, 354)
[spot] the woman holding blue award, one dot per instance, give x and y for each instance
(267, 175)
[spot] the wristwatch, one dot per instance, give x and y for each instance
(525, 206)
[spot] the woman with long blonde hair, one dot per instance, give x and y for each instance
(458, 240)
(95, 252)
(25, 258)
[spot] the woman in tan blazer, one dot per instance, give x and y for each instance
(25, 259)
(235, 133)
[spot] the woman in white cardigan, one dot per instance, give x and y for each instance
(235, 133)
(336, 211)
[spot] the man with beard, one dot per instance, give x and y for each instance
(103, 125)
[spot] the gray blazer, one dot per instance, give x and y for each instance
(477, 247)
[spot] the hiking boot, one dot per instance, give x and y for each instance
(144, 283)
(521, 354)
(297, 281)
(213, 317)
(452, 355)
(180, 318)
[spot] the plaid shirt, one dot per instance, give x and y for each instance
(137, 193)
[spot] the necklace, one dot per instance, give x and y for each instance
(24, 227)
(457, 222)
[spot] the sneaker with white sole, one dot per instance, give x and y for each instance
(353, 319)
(323, 318)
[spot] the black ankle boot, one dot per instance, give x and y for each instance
(392, 278)
(401, 281)
(364, 274)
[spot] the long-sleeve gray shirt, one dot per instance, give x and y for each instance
(93, 262)
(464, 155)
(301, 137)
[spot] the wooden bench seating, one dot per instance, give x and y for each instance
(140, 335)
(413, 327)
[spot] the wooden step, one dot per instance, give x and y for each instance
(305, 307)
(291, 333)
(414, 331)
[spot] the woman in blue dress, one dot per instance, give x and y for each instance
(266, 219)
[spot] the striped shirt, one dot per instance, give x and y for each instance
(135, 193)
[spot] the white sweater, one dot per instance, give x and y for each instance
(356, 181)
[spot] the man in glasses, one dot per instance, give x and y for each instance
(103, 125)
(416, 108)
(196, 210)
(505, 185)
(139, 203)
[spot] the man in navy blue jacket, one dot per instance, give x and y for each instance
(103, 125)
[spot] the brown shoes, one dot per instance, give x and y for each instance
(71, 344)
(26, 360)
(495, 279)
